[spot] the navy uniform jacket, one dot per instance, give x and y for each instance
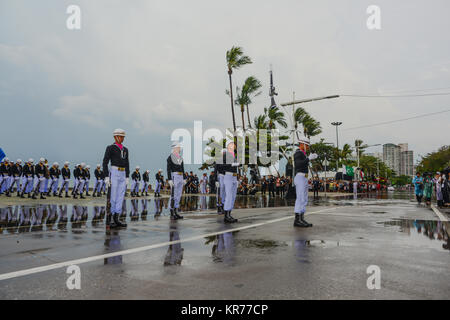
(145, 177)
(87, 174)
(98, 174)
(228, 160)
(54, 173)
(28, 171)
(4, 170)
(78, 173)
(301, 162)
(158, 177)
(118, 158)
(39, 171)
(177, 166)
(65, 173)
(136, 176)
(16, 171)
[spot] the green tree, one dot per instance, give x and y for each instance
(235, 59)
(435, 161)
(251, 87)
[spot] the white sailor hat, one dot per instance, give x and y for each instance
(137, 167)
(88, 167)
(41, 160)
(77, 165)
(175, 144)
(30, 160)
(83, 164)
(6, 159)
(98, 165)
(160, 170)
(303, 140)
(66, 163)
(55, 163)
(148, 171)
(119, 132)
(19, 161)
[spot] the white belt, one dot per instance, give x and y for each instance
(231, 173)
(221, 175)
(301, 173)
(117, 168)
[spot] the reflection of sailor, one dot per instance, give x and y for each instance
(77, 214)
(96, 213)
(117, 179)
(36, 218)
(223, 248)
(175, 171)
(174, 254)
(134, 214)
(230, 167)
(144, 207)
(158, 207)
(301, 182)
(52, 213)
(203, 205)
(63, 213)
(112, 244)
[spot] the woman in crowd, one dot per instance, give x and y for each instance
(418, 187)
(428, 188)
(438, 184)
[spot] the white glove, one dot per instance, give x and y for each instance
(235, 164)
(170, 183)
(127, 180)
(107, 182)
(312, 156)
(217, 184)
(184, 182)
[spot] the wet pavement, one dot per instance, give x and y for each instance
(199, 257)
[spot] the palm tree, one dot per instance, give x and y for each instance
(242, 99)
(275, 116)
(235, 59)
(260, 122)
(311, 126)
(251, 86)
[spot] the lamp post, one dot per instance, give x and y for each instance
(337, 124)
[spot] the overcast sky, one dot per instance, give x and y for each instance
(150, 67)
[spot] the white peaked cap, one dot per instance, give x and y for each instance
(98, 165)
(119, 132)
(55, 163)
(160, 170)
(175, 144)
(31, 160)
(19, 161)
(88, 167)
(66, 163)
(83, 164)
(137, 167)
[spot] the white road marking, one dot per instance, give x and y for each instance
(25, 272)
(439, 214)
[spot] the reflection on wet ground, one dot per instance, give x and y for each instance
(417, 229)
(46, 217)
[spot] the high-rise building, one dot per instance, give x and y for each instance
(391, 156)
(399, 158)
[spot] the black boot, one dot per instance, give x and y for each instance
(42, 196)
(29, 195)
(172, 215)
(55, 194)
(75, 196)
(18, 193)
(22, 195)
(67, 195)
(298, 222)
(34, 196)
(304, 221)
(81, 196)
(117, 222)
(87, 194)
(177, 215)
(228, 218)
(8, 194)
(60, 195)
(48, 194)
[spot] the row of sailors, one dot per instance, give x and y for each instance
(37, 179)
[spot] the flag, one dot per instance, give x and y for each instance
(2, 154)
(349, 171)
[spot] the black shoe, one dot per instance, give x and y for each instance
(34, 196)
(8, 194)
(75, 196)
(55, 194)
(48, 194)
(42, 196)
(172, 215)
(228, 218)
(82, 197)
(298, 222)
(22, 195)
(29, 195)
(177, 215)
(117, 223)
(18, 193)
(304, 221)
(67, 195)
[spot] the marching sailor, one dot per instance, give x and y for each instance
(39, 173)
(54, 178)
(175, 171)
(146, 179)
(220, 187)
(98, 181)
(78, 174)
(136, 177)
(16, 174)
(301, 161)
(4, 176)
(117, 179)
(65, 172)
(75, 178)
(230, 167)
(87, 175)
(159, 183)
(27, 178)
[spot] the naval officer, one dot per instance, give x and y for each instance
(301, 161)
(117, 178)
(230, 167)
(175, 171)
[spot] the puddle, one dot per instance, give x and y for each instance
(422, 232)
